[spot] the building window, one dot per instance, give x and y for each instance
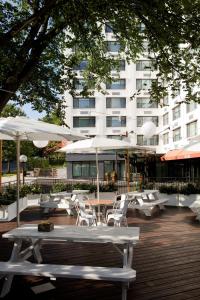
(166, 138)
(83, 169)
(144, 84)
(120, 67)
(84, 103)
(166, 119)
(153, 141)
(145, 46)
(177, 134)
(146, 103)
(117, 102)
(108, 28)
(115, 121)
(176, 112)
(166, 101)
(79, 83)
(192, 129)
(108, 166)
(142, 120)
(144, 65)
(83, 121)
(141, 27)
(117, 85)
(191, 106)
(113, 46)
(116, 137)
(82, 65)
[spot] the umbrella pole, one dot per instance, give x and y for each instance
(97, 167)
(18, 179)
(0, 165)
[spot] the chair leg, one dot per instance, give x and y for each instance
(124, 291)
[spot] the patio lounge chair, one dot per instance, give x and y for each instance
(147, 206)
(195, 207)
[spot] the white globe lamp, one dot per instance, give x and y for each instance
(148, 129)
(40, 144)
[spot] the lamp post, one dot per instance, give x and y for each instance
(23, 159)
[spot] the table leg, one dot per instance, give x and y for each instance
(14, 257)
(36, 250)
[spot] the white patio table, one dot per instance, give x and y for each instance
(127, 237)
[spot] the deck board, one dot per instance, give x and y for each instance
(167, 259)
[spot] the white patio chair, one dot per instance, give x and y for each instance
(195, 207)
(85, 216)
(118, 216)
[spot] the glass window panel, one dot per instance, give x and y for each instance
(115, 102)
(146, 103)
(144, 84)
(192, 129)
(108, 28)
(84, 103)
(121, 67)
(83, 121)
(82, 65)
(166, 138)
(108, 166)
(141, 120)
(113, 46)
(153, 141)
(76, 170)
(116, 85)
(93, 170)
(176, 135)
(176, 112)
(165, 119)
(79, 83)
(144, 65)
(191, 106)
(115, 121)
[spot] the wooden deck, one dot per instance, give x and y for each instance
(167, 260)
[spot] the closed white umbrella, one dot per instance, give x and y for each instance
(22, 128)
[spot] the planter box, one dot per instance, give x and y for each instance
(180, 199)
(8, 212)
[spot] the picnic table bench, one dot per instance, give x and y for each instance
(18, 264)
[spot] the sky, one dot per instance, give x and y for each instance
(33, 114)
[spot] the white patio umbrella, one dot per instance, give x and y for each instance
(22, 128)
(95, 145)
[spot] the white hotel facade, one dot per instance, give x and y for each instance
(115, 114)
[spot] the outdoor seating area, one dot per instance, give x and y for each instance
(160, 274)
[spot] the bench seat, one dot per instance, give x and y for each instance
(123, 275)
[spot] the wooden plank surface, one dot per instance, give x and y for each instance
(166, 259)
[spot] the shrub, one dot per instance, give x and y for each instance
(110, 187)
(59, 187)
(168, 189)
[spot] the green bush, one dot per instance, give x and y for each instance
(185, 189)
(37, 162)
(59, 187)
(168, 189)
(110, 187)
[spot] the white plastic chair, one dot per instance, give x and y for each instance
(118, 216)
(85, 216)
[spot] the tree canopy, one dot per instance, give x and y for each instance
(36, 65)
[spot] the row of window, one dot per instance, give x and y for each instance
(119, 84)
(112, 121)
(176, 134)
(141, 65)
(176, 112)
(113, 102)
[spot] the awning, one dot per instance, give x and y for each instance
(180, 154)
